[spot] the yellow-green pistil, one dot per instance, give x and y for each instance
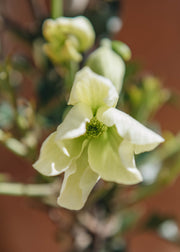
(95, 128)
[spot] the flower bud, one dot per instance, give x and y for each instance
(67, 38)
(107, 63)
(122, 49)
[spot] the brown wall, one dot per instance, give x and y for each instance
(152, 30)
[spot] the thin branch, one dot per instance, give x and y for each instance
(31, 190)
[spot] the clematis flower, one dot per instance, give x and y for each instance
(94, 141)
(67, 38)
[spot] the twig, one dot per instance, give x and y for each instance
(31, 190)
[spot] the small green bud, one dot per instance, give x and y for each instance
(121, 49)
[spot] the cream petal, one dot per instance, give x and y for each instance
(113, 159)
(78, 182)
(79, 27)
(51, 31)
(69, 51)
(83, 30)
(128, 128)
(52, 161)
(93, 90)
(74, 124)
(126, 153)
(73, 148)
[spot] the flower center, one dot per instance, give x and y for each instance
(94, 128)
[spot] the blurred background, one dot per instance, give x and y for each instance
(152, 31)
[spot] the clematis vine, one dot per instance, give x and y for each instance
(67, 38)
(94, 141)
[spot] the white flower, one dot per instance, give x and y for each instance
(94, 141)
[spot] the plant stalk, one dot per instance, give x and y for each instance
(56, 8)
(31, 190)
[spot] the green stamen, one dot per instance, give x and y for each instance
(94, 128)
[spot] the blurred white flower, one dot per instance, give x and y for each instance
(67, 38)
